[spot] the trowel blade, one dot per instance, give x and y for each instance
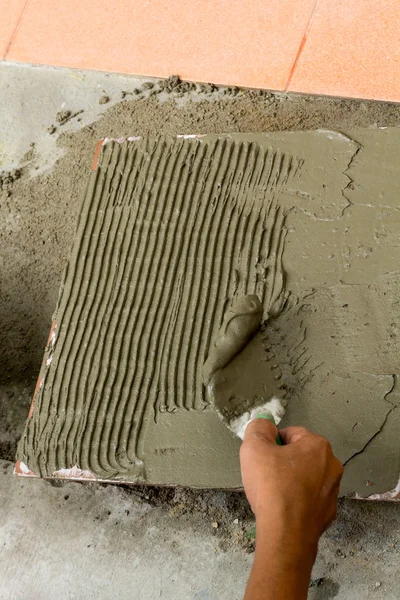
(250, 380)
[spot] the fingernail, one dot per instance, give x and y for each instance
(266, 415)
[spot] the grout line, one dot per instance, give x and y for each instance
(14, 33)
(302, 44)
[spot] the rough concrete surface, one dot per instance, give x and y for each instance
(94, 541)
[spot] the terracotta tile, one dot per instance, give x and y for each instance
(10, 14)
(353, 49)
(224, 41)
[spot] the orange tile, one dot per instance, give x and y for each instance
(224, 41)
(10, 14)
(353, 49)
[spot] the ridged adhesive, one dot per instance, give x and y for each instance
(170, 232)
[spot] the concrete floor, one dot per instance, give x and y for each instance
(84, 541)
(33, 95)
(97, 541)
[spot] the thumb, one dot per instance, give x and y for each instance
(261, 428)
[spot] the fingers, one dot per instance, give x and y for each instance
(291, 435)
(261, 428)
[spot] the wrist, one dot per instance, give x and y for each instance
(283, 559)
(292, 541)
(282, 563)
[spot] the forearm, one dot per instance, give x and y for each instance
(282, 565)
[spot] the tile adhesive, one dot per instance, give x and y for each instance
(171, 232)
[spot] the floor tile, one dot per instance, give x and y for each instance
(228, 42)
(353, 49)
(10, 13)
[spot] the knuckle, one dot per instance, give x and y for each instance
(251, 441)
(340, 467)
(324, 444)
(302, 431)
(257, 435)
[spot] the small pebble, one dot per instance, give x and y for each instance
(235, 521)
(62, 115)
(378, 584)
(173, 81)
(104, 100)
(214, 524)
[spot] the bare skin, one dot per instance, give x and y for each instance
(293, 491)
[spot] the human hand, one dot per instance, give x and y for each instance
(292, 489)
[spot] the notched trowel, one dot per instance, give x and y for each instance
(240, 374)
